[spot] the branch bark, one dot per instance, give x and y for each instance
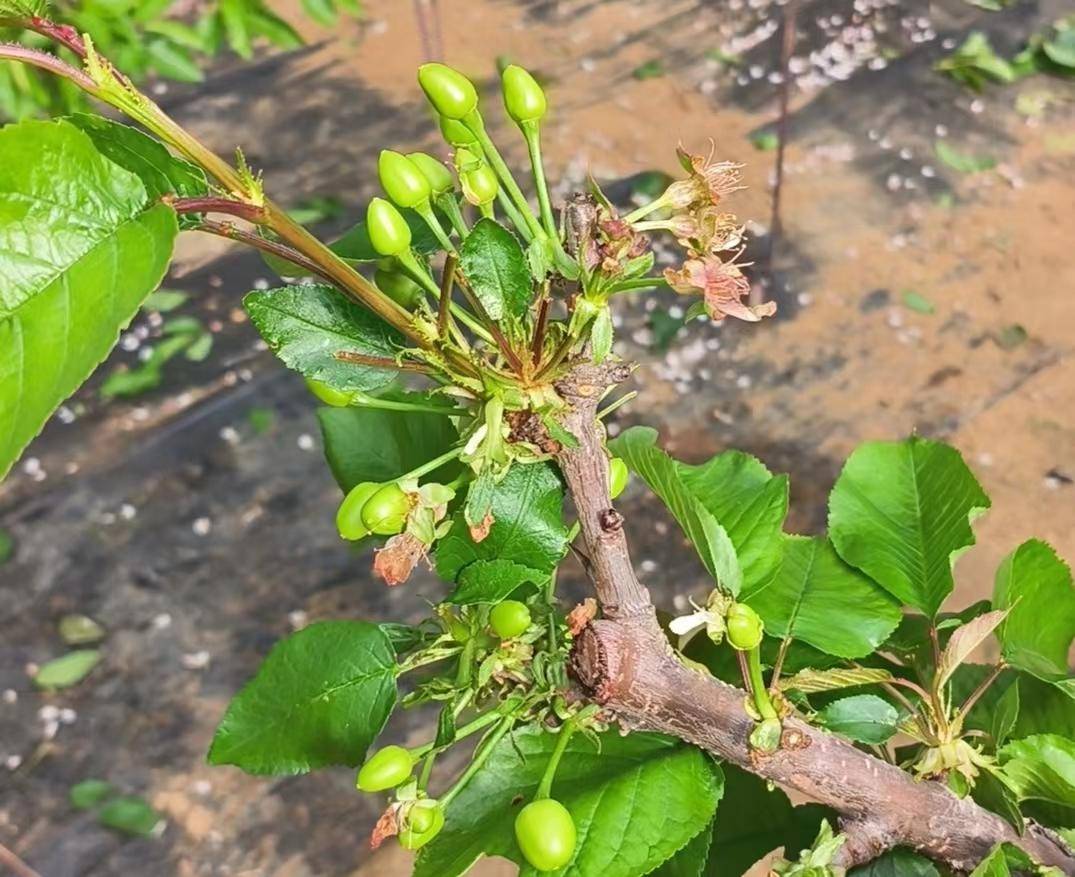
(624, 661)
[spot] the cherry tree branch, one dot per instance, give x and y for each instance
(624, 661)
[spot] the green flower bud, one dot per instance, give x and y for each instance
(450, 92)
(439, 177)
(455, 133)
(398, 287)
(402, 180)
(524, 99)
(388, 230)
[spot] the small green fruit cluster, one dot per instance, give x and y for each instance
(546, 834)
(369, 507)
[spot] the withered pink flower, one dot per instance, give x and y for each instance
(387, 826)
(618, 242)
(709, 181)
(722, 285)
(396, 561)
(479, 531)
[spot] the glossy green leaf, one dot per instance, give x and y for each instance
(1004, 860)
(490, 581)
(637, 447)
(897, 863)
(635, 800)
(818, 598)
(80, 249)
(1005, 715)
(1035, 586)
(68, 670)
(320, 698)
(865, 718)
(1041, 767)
(371, 444)
(496, 268)
(901, 512)
(691, 860)
(307, 325)
(129, 814)
(528, 527)
(160, 172)
(750, 503)
(993, 793)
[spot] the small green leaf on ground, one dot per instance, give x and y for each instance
(650, 70)
(68, 670)
(963, 162)
(7, 547)
(89, 793)
(1010, 337)
(975, 63)
(130, 815)
(916, 302)
(765, 141)
(261, 420)
(80, 630)
(729, 59)
(165, 300)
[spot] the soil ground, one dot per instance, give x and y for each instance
(194, 522)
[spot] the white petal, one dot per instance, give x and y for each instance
(684, 624)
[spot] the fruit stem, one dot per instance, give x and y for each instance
(471, 727)
(532, 136)
(435, 463)
(364, 400)
(757, 684)
(564, 737)
(485, 749)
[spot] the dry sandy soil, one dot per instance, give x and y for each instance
(198, 540)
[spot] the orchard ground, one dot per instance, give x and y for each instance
(195, 522)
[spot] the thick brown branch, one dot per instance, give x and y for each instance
(624, 662)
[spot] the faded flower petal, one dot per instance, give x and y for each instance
(386, 827)
(479, 531)
(709, 180)
(722, 285)
(686, 624)
(396, 561)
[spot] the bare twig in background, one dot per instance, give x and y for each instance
(427, 15)
(787, 48)
(16, 865)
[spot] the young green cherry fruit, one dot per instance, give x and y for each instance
(349, 515)
(385, 512)
(398, 287)
(524, 99)
(450, 92)
(546, 834)
(509, 618)
(745, 628)
(388, 230)
(402, 180)
(617, 477)
(385, 769)
(422, 823)
(329, 395)
(478, 180)
(438, 176)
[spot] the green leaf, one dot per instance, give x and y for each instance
(637, 447)
(752, 821)
(750, 503)
(1035, 586)
(650, 70)
(320, 698)
(1005, 715)
(68, 670)
(129, 814)
(1004, 860)
(897, 863)
(811, 681)
(7, 547)
(917, 302)
(993, 793)
(165, 300)
(636, 800)
(865, 718)
(1041, 767)
(371, 444)
(89, 793)
(1044, 708)
(528, 527)
(160, 172)
(962, 161)
(496, 268)
(62, 306)
(601, 335)
(490, 581)
(172, 61)
(355, 245)
(80, 630)
(819, 599)
(901, 512)
(321, 11)
(691, 860)
(966, 638)
(307, 325)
